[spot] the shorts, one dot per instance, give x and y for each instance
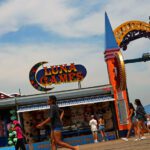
(141, 118)
(101, 127)
(133, 119)
(57, 129)
(94, 132)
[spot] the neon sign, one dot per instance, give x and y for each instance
(42, 79)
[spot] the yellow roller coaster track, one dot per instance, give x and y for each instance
(131, 30)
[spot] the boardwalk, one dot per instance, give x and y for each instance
(118, 145)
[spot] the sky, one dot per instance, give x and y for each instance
(64, 32)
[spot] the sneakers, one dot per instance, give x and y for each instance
(125, 139)
(95, 141)
(137, 139)
(143, 138)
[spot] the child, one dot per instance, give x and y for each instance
(20, 137)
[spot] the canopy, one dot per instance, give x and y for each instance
(66, 103)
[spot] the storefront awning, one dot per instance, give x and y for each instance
(66, 103)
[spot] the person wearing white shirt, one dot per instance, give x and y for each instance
(93, 125)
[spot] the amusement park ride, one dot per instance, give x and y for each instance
(114, 41)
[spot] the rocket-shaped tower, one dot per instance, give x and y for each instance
(117, 75)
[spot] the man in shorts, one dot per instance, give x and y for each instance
(93, 125)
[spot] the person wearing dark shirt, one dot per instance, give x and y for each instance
(132, 121)
(141, 117)
(55, 118)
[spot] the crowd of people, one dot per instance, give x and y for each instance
(136, 117)
(98, 125)
(138, 120)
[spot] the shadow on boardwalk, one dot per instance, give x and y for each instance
(118, 145)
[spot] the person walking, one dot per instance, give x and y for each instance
(93, 125)
(55, 118)
(101, 125)
(141, 118)
(148, 122)
(20, 136)
(132, 121)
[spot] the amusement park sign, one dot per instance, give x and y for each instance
(42, 79)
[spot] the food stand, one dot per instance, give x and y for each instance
(78, 105)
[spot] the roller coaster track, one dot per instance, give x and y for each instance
(131, 30)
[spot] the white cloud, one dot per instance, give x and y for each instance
(127, 10)
(16, 62)
(20, 59)
(46, 13)
(136, 48)
(138, 80)
(58, 16)
(66, 20)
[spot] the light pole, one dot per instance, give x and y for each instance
(145, 57)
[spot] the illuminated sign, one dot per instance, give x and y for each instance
(42, 79)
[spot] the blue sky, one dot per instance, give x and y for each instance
(66, 31)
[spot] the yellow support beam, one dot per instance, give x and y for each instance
(121, 31)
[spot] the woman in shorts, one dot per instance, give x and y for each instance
(101, 125)
(55, 118)
(132, 121)
(141, 117)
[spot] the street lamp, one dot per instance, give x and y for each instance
(145, 57)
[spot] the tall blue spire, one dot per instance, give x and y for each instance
(110, 41)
